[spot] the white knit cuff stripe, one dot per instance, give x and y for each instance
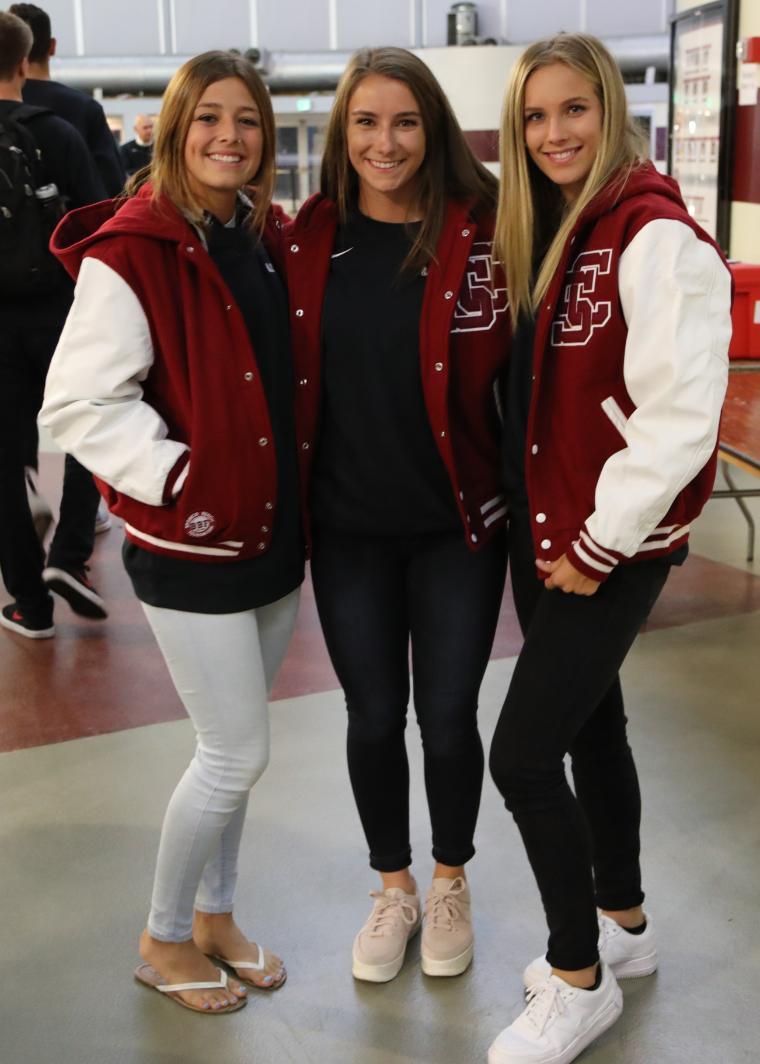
(594, 546)
(594, 563)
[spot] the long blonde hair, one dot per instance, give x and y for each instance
(167, 170)
(532, 212)
(449, 169)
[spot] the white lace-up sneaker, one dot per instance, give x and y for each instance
(558, 1023)
(629, 956)
(380, 946)
(447, 942)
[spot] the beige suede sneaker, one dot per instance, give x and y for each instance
(380, 946)
(447, 942)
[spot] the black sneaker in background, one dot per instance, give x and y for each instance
(77, 590)
(13, 619)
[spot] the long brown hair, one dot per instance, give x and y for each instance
(449, 169)
(167, 170)
(532, 213)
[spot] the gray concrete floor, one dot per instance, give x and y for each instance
(80, 827)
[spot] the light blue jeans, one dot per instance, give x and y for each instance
(223, 666)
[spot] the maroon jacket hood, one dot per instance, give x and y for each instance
(139, 215)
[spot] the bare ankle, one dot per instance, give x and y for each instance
(584, 978)
(444, 871)
(403, 879)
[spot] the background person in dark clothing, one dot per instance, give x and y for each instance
(84, 113)
(137, 153)
(29, 330)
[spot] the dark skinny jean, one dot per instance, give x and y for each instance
(374, 594)
(565, 697)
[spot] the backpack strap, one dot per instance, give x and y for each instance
(19, 117)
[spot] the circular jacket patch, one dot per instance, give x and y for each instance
(199, 524)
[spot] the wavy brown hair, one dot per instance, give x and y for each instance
(533, 217)
(167, 170)
(449, 170)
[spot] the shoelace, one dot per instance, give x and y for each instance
(387, 911)
(443, 909)
(608, 928)
(546, 1000)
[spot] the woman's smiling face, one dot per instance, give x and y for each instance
(563, 125)
(223, 146)
(386, 144)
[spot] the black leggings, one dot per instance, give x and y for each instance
(565, 697)
(373, 594)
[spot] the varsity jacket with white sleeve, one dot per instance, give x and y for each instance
(630, 370)
(154, 385)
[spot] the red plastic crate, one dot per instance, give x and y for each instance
(745, 342)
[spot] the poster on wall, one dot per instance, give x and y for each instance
(701, 104)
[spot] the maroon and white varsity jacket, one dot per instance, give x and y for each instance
(630, 370)
(464, 343)
(154, 385)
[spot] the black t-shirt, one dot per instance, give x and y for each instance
(198, 587)
(377, 468)
(516, 390)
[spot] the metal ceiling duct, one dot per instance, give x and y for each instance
(294, 71)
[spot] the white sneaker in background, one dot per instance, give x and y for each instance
(629, 956)
(559, 1021)
(102, 518)
(41, 513)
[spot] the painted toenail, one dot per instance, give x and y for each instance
(268, 979)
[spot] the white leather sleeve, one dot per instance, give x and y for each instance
(94, 405)
(675, 293)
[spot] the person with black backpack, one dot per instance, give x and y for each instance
(45, 169)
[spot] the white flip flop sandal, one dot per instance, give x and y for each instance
(252, 966)
(149, 977)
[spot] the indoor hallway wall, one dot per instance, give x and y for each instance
(158, 27)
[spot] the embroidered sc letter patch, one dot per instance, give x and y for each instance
(580, 314)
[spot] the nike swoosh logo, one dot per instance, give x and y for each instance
(338, 254)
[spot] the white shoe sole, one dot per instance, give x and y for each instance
(636, 968)
(28, 633)
(381, 973)
(453, 966)
(83, 600)
(602, 1022)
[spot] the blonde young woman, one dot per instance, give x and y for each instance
(399, 331)
(621, 305)
(172, 382)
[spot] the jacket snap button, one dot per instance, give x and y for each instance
(248, 376)
(265, 528)
(294, 247)
(474, 538)
(263, 441)
(540, 518)
(461, 496)
(261, 546)
(303, 381)
(534, 449)
(465, 232)
(448, 295)
(443, 433)
(228, 307)
(268, 506)
(299, 313)
(190, 249)
(546, 543)
(304, 446)
(439, 366)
